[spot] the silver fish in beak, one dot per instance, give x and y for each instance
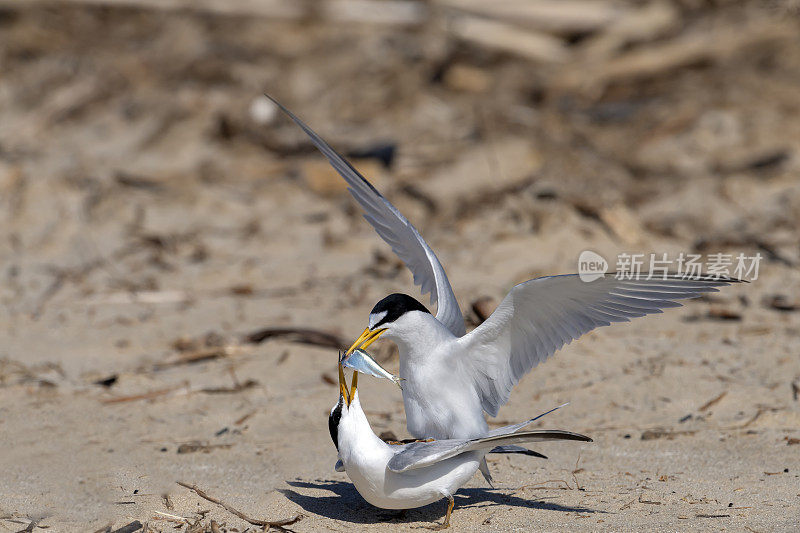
(361, 361)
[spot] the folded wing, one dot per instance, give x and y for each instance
(540, 316)
(421, 454)
(397, 231)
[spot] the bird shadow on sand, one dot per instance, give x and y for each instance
(344, 503)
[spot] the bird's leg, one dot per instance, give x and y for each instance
(450, 504)
(444, 525)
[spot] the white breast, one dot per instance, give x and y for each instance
(439, 402)
(365, 458)
(414, 488)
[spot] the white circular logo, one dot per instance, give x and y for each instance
(591, 266)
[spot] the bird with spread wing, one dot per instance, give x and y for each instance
(450, 377)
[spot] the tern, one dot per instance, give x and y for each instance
(450, 378)
(405, 476)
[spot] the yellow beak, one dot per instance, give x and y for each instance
(347, 395)
(366, 338)
(343, 384)
(353, 385)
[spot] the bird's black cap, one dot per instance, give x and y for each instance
(396, 305)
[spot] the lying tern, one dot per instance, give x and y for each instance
(450, 377)
(404, 476)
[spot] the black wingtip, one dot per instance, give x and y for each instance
(336, 159)
(553, 434)
(281, 107)
(275, 101)
(568, 435)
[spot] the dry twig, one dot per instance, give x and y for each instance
(528, 44)
(130, 528)
(710, 403)
(301, 335)
(148, 395)
(268, 524)
(541, 483)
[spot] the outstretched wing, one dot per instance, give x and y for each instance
(506, 430)
(397, 231)
(421, 454)
(540, 316)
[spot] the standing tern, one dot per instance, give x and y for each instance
(450, 377)
(405, 476)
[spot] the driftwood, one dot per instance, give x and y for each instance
(621, 42)
(552, 16)
(301, 335)
(696, 47)
(644, 24)
(391, 12)
(533, 45)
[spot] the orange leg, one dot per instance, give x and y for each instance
(444, 525)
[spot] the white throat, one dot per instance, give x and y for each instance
(358, 444)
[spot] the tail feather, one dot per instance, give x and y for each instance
(487, 475)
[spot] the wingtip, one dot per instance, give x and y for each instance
(570, 435)
(580, 437)
(272, 98)
(547, 412)
(280, 105)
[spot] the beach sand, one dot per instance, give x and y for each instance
(156, 214)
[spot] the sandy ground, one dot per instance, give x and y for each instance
(150, 222)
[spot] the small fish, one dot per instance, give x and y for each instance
(363, 362)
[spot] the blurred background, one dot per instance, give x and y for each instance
(160, 219)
